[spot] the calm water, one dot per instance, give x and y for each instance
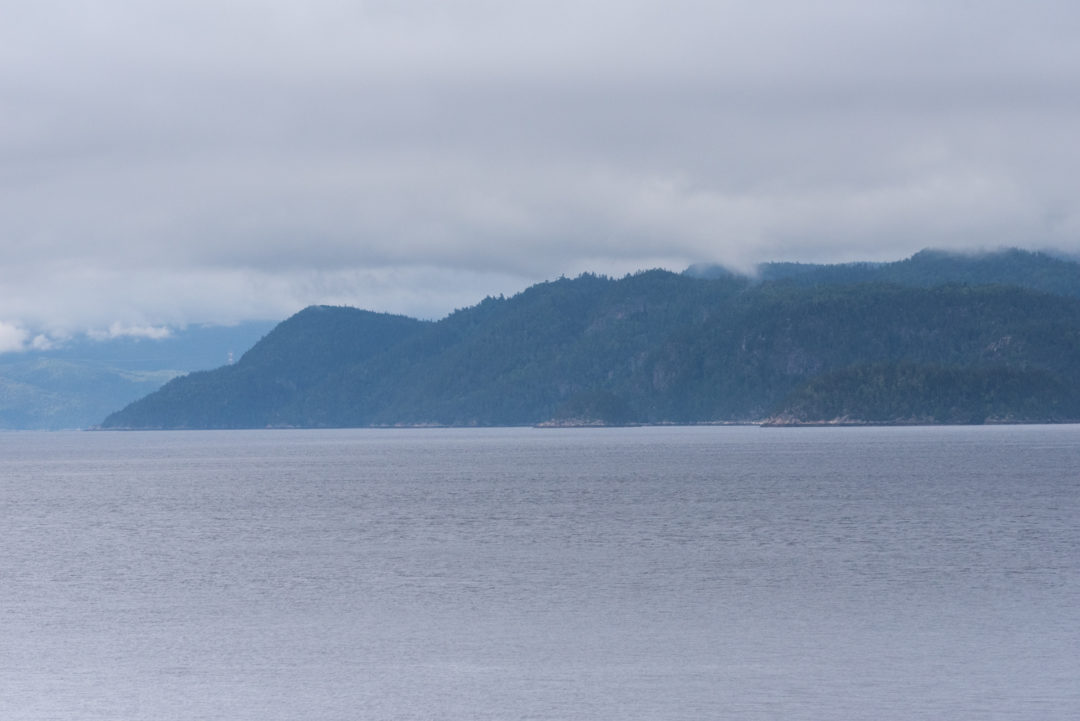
(614, 574)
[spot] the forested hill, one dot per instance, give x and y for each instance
(651, 348)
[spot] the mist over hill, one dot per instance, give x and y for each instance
(1034, 270)
(935, 339)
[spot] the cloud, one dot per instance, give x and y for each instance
(120, 330)
(43, 342)
(12, 338)
(172, 298)
(187, 162)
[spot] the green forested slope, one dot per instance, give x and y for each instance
(654, 347)
(277, 378)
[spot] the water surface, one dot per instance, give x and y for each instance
(622, 574)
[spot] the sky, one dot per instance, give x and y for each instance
(197, 161)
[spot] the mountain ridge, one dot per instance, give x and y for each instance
(661, 347)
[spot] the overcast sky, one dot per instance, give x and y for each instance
(188, 161)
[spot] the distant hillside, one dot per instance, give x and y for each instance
(658, 347)
(74, 385)
(44, 393)
(194, 347)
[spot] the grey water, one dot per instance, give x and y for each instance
(623, 574)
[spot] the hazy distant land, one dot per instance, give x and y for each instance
(76, 384)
